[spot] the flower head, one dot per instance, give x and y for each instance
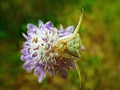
(44, 48)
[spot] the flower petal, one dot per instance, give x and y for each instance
(63, 73)
(52, 72)
(49, 25)
(63, 34)
(25, 36)
(41, 77)
(40, 72)
(28, 65)
(82, 48)
(31, 26)
(41, 23)
(69, 29)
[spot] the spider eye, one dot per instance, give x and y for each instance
(73, 46)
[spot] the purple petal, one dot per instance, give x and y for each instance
(40, 72)
(64, 34)
(25, 51)
(82, 48)
(63, 73)
(49, 25)
(61, 29)
(22, 57)
(26, 44)
(28, 57)
(41, 23)
(68, 29)
(25, 36)
(29, 65)
(52, 72)
(31, 29)
(41, 77)
(31, 26)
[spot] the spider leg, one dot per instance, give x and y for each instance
(78, 71)
(71, 36)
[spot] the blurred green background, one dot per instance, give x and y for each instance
(100, 33)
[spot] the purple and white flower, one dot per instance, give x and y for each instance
(42, 51)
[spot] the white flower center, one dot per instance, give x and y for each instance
(41, 45)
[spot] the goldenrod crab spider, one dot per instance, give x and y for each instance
(66, 42)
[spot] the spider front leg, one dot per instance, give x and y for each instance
(73, 35)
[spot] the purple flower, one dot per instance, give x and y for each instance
(45, 49)
(39, 51)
